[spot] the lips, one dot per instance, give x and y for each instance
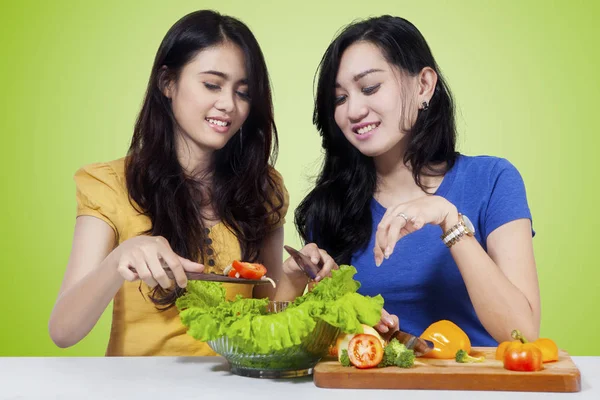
(218, 124)
(365, 130)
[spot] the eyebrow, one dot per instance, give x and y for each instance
(224, 76)
(358, 77)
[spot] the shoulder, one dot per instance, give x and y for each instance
(101, 192)
(102, 175)
(276, 176)
(279, 184)
(279, 198)
(485, 168)
(111, 170)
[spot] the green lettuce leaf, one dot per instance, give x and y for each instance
(208, 316)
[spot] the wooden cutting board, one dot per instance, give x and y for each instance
(560, 376)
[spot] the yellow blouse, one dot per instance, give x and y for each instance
(138, 328)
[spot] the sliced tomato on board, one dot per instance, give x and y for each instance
(248, 270)
(365, 351)
(335, 350)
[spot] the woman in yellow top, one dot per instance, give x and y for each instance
(196, 191)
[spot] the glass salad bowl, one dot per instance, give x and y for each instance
(294, 361)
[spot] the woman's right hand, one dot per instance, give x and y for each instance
(143, 257)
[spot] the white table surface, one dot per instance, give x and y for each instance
(177, 378)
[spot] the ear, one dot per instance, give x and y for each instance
(165, 83)
(427, 80)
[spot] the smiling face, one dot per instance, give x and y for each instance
(375, 102)
(210, 99)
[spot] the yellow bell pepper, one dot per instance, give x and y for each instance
(447, 339)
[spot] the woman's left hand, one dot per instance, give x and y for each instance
(406, 218)
(318, 257)
(387, 325)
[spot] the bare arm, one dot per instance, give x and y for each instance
(91, 281)
(271, 257)
(96, 270)
(503, 283)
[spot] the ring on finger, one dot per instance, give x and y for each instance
(403, 216)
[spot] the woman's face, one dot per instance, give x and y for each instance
(210, 99)
(375, 103)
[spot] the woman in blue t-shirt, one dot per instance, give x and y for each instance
(440, 235)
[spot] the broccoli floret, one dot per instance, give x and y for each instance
(463, 357)
(406, 359)
(344, 359)
(391, 352)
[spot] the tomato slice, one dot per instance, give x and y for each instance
(365, 351)
(232, 273)
(249, 270)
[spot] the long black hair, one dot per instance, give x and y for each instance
(242, 191)
(336, 213)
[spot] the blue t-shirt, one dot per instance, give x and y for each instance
(420, 282)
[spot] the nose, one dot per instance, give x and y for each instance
(225, 102)
(357, 109)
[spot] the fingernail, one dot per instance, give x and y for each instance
(384, 329)
(314, 259)
(377, 261)
(389, 321)
(388, 252)
(317, 279)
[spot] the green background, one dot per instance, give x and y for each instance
(524, 75)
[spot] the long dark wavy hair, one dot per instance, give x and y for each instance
(242, 191)
(336, 213)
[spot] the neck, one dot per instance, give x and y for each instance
(391, 170)
(196, 162)
(395, 181)
(194, 159)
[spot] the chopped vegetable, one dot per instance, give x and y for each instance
(249, 270)
(256, 269)
(365, 351)
(266, 278)
(406, 359)
(345, 338)
(391, 352)
(447, 339)
(464, 357)
(344, 359)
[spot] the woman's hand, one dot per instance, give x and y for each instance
(406, 218)
(318, 256)
(143, 257)
(388, 324)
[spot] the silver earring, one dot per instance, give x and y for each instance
(425, 106)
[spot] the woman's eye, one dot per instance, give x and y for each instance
(340, 100)
(243, 95)
(371, 89)
(210, 86)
